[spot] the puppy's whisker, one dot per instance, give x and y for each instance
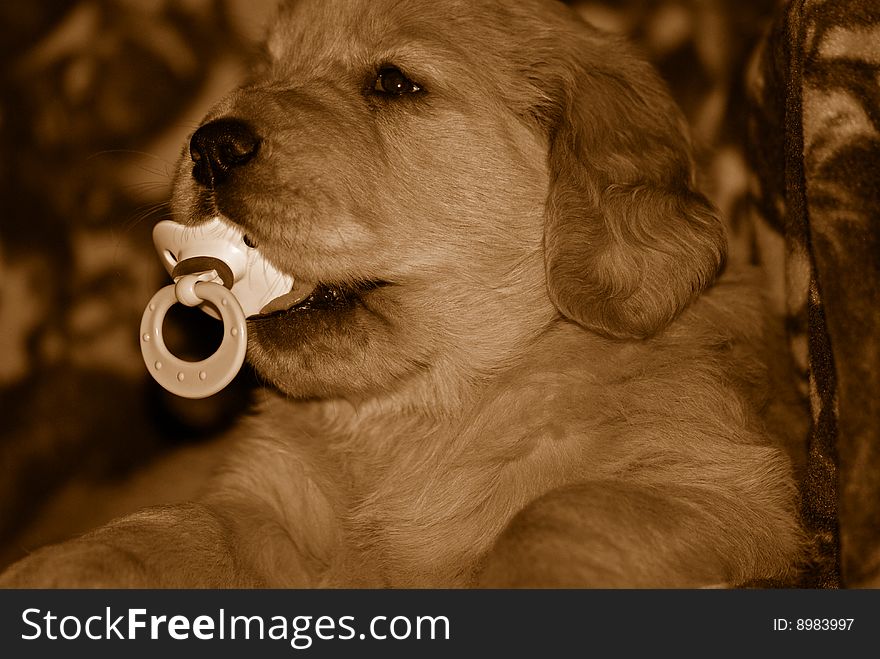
(145, 187)
(125, 152)
(156, 210)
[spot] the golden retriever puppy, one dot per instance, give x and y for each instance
(514, 367)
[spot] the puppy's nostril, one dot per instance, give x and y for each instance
(220, 146)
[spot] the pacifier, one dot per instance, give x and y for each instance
(215, 269)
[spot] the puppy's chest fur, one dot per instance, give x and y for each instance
(418, 497)
(423, 512)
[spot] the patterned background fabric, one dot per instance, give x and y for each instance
(97, 98)
(816, 141)
(96, 102)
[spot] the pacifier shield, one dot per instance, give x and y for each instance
(253, 279)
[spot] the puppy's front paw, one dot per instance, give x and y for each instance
(76, 564)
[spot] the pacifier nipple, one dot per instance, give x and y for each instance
(215, 269)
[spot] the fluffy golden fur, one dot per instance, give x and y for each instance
(549, 388)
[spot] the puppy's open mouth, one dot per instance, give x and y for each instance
(318, 297)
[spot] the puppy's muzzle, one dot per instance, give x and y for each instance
(219, 147)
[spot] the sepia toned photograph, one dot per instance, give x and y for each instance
(440, 294)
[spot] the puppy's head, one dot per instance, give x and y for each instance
(447, 177)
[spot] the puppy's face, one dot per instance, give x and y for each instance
(397, 158)
(390, 175)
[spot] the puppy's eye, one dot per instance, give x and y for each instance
(392, 81)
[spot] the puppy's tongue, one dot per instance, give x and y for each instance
(300, 291)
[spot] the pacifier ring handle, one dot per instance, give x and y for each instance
(194, 379)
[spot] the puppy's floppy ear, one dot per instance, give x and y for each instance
(628, 241)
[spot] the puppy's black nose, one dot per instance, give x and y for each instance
(220, 146)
